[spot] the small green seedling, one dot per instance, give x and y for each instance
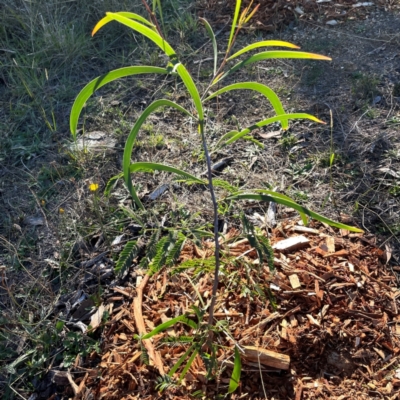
(221, 69)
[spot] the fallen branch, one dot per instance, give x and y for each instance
(139, 321)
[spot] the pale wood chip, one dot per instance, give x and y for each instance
(294, 281)
(266, 357)
(291, 244)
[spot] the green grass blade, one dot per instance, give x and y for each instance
(213, 41)
(264, 43)
(268, 121)
(162, 327)
(234, 22)
(100, 81)
(237, 369)
(138, 27)
(270, 54)
(126, 162)
(259, 87)
(280, 200)
(181, 360)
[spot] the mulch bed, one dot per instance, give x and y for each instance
(274, 14)
(327, 319)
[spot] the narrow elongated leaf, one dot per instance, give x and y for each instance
(237, 370)
(234, 22)
(268, 121)
(225, 137)
(100, 81)
(157, 3)
(264, 43)
(126, 162)
(213, 41)
(184, 356)
(151, 167)
(162, 327)
(284, 197)
(139, 27)
(188, 365)
(271, 54)
(192, 88)
(259, 87)
(295, 206)
(168, 50)
(129, 15)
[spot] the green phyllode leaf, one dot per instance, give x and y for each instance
(213, 41)
(165, 47)
(237, 370)
(102, 80)
(265, 55)
(234, 22)
(126, 161)
(181, 360)
(267, 195)
(233, 136)
(126, 14)
(258, 87)
(139, 27)
(162, 327)
(264, 43)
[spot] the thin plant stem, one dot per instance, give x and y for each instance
(215, 210)
(153, 18)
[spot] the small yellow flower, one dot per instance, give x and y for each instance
(93, 187)
(61, 211)
(42, 202)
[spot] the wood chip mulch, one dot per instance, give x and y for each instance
(274, 14)
(324, 325)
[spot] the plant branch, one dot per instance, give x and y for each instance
(153, 18)
(215, 209)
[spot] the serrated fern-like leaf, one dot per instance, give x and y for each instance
(255, 141)
(144, 356)
(175, 251)
(248, 227)
(198, 264)
(178, 339)
(267, 250)
(126, 256)
(165, 382)
(161, 254)
(259, 242)
(225, 185)
(151, 248)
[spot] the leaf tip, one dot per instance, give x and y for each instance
(319, 57)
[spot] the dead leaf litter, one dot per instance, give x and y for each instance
(324, 324)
